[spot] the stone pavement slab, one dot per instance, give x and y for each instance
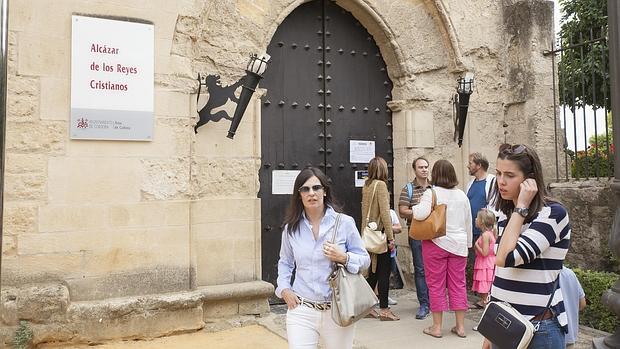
(252, 336)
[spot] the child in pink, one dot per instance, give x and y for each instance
(484, 266)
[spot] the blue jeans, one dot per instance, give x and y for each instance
(549, 336)
(418, 271)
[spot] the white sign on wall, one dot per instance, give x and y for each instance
(361, 151)
(360, 178)
(283, 181)
(112, 77)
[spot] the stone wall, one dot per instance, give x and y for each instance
(591, 210)
(88, 221)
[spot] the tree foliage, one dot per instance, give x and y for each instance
(598, 158)
(584, 68)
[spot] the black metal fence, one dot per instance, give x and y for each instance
(584, 145)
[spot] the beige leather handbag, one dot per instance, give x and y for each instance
(352, 297)
(375, 241)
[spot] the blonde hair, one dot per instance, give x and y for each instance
(485, 220)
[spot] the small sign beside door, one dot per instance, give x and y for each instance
(360, 178)
(361, 152)
(283, 181)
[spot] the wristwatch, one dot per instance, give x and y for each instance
(522, 211)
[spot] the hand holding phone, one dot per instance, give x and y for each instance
(527, 192)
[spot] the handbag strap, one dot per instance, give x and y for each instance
(555, 287)
(370, 203)
(336, 225)
(434, 199)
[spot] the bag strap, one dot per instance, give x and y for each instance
(409, 191)
(370, 203)
(336, 225)
(555, 287)
(434, 199)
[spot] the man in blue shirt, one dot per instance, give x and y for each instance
(478, 188)
(478, 191)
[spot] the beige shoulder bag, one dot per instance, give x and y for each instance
(374, 240)
(352, 297)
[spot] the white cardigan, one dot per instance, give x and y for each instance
(458, 236)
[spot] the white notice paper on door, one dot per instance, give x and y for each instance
(282, 181)
(361, 152)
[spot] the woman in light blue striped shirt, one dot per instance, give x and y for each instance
(306, 246)
(534, 236)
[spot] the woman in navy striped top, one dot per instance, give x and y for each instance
(534, 236)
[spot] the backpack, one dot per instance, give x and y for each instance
(409, 190)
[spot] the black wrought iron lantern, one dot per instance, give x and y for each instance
(464, 89)
(254, 72)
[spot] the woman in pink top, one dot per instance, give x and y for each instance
(484, 267)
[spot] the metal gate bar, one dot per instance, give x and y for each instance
(589, 162)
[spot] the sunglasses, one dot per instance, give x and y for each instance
(306, 189)
(512, 149)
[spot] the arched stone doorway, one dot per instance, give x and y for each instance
(327, 92)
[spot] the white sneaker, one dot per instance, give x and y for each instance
(392, 301)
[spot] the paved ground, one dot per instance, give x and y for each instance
(269, 332)
(252, 336)
(375, 334)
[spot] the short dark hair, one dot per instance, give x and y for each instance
(418, 159)
(480, 160)
(444, 175)
(296, 207)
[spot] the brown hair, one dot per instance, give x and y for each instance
(296, 206)
(377, 169)
(418, 159)
(480, 160)
(528, 162)
(444, 175)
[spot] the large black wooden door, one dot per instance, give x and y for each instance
(327, 85)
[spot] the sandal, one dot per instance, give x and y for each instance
(456, 332)
(387, 315)
(477, 305)
(373, 314)
(429, 331)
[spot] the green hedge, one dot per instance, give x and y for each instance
(594, 284)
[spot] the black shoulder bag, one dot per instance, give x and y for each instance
(505, 327)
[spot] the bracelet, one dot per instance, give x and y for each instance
(346, 263)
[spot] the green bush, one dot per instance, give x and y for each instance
(596, 314)
(592, 163)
